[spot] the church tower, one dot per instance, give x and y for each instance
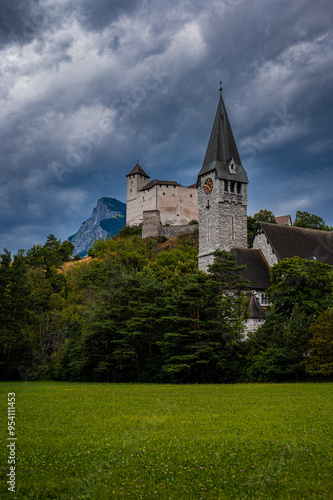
(222, 193)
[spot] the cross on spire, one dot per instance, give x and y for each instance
(220, 87)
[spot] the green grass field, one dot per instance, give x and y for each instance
(169, 441)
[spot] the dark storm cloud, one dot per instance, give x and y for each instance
(87, 88)
(97, 15)
(12, 15)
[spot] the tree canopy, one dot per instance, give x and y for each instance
(311, 221)
(140, 310)
(263, 215)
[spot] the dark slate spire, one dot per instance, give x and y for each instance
(138, 170)
(222, 150)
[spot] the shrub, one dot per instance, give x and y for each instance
(128, 231)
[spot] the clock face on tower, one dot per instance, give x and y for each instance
(208, 186)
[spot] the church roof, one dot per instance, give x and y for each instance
(291, 241)
(255, 309)
(155, 182)
(256, 271)
(222, 149)
(138, 170)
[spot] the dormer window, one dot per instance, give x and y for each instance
(232, 166)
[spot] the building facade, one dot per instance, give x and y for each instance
(176, 205)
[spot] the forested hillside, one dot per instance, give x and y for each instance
(139, 310)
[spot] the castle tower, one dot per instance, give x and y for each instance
(136, 179)
(222, 193)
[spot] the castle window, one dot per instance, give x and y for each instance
(232, 187)
(239, 187)
(130, 190)
(225, 185)
(163, 194)
(190, 196)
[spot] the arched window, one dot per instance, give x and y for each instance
(264, 299)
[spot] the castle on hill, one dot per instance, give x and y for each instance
(219, 202)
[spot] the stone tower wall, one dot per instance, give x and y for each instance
(136, 201)
(208, 217)
(151, 226)
(222, 218)
(233, 220)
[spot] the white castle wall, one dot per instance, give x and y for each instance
(177, 205)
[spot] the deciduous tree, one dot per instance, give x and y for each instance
(319, 359)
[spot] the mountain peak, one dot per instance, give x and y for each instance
(107, 218)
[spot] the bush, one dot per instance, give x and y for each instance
(128, 231)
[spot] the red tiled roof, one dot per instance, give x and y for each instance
(283, 220)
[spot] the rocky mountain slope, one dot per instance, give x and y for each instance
(108, 217)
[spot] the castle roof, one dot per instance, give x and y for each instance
(156, 182)
(256, 271)
(138, 170)
(291, 241)
(222, 150)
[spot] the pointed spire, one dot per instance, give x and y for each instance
(222, 147)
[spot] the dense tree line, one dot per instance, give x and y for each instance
(142, 311)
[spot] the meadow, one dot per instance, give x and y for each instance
(102, 441)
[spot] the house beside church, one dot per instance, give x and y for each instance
(219, 202)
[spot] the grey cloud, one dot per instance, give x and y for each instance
(97, 15)
(113, 82)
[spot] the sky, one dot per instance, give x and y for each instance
(88, 88)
